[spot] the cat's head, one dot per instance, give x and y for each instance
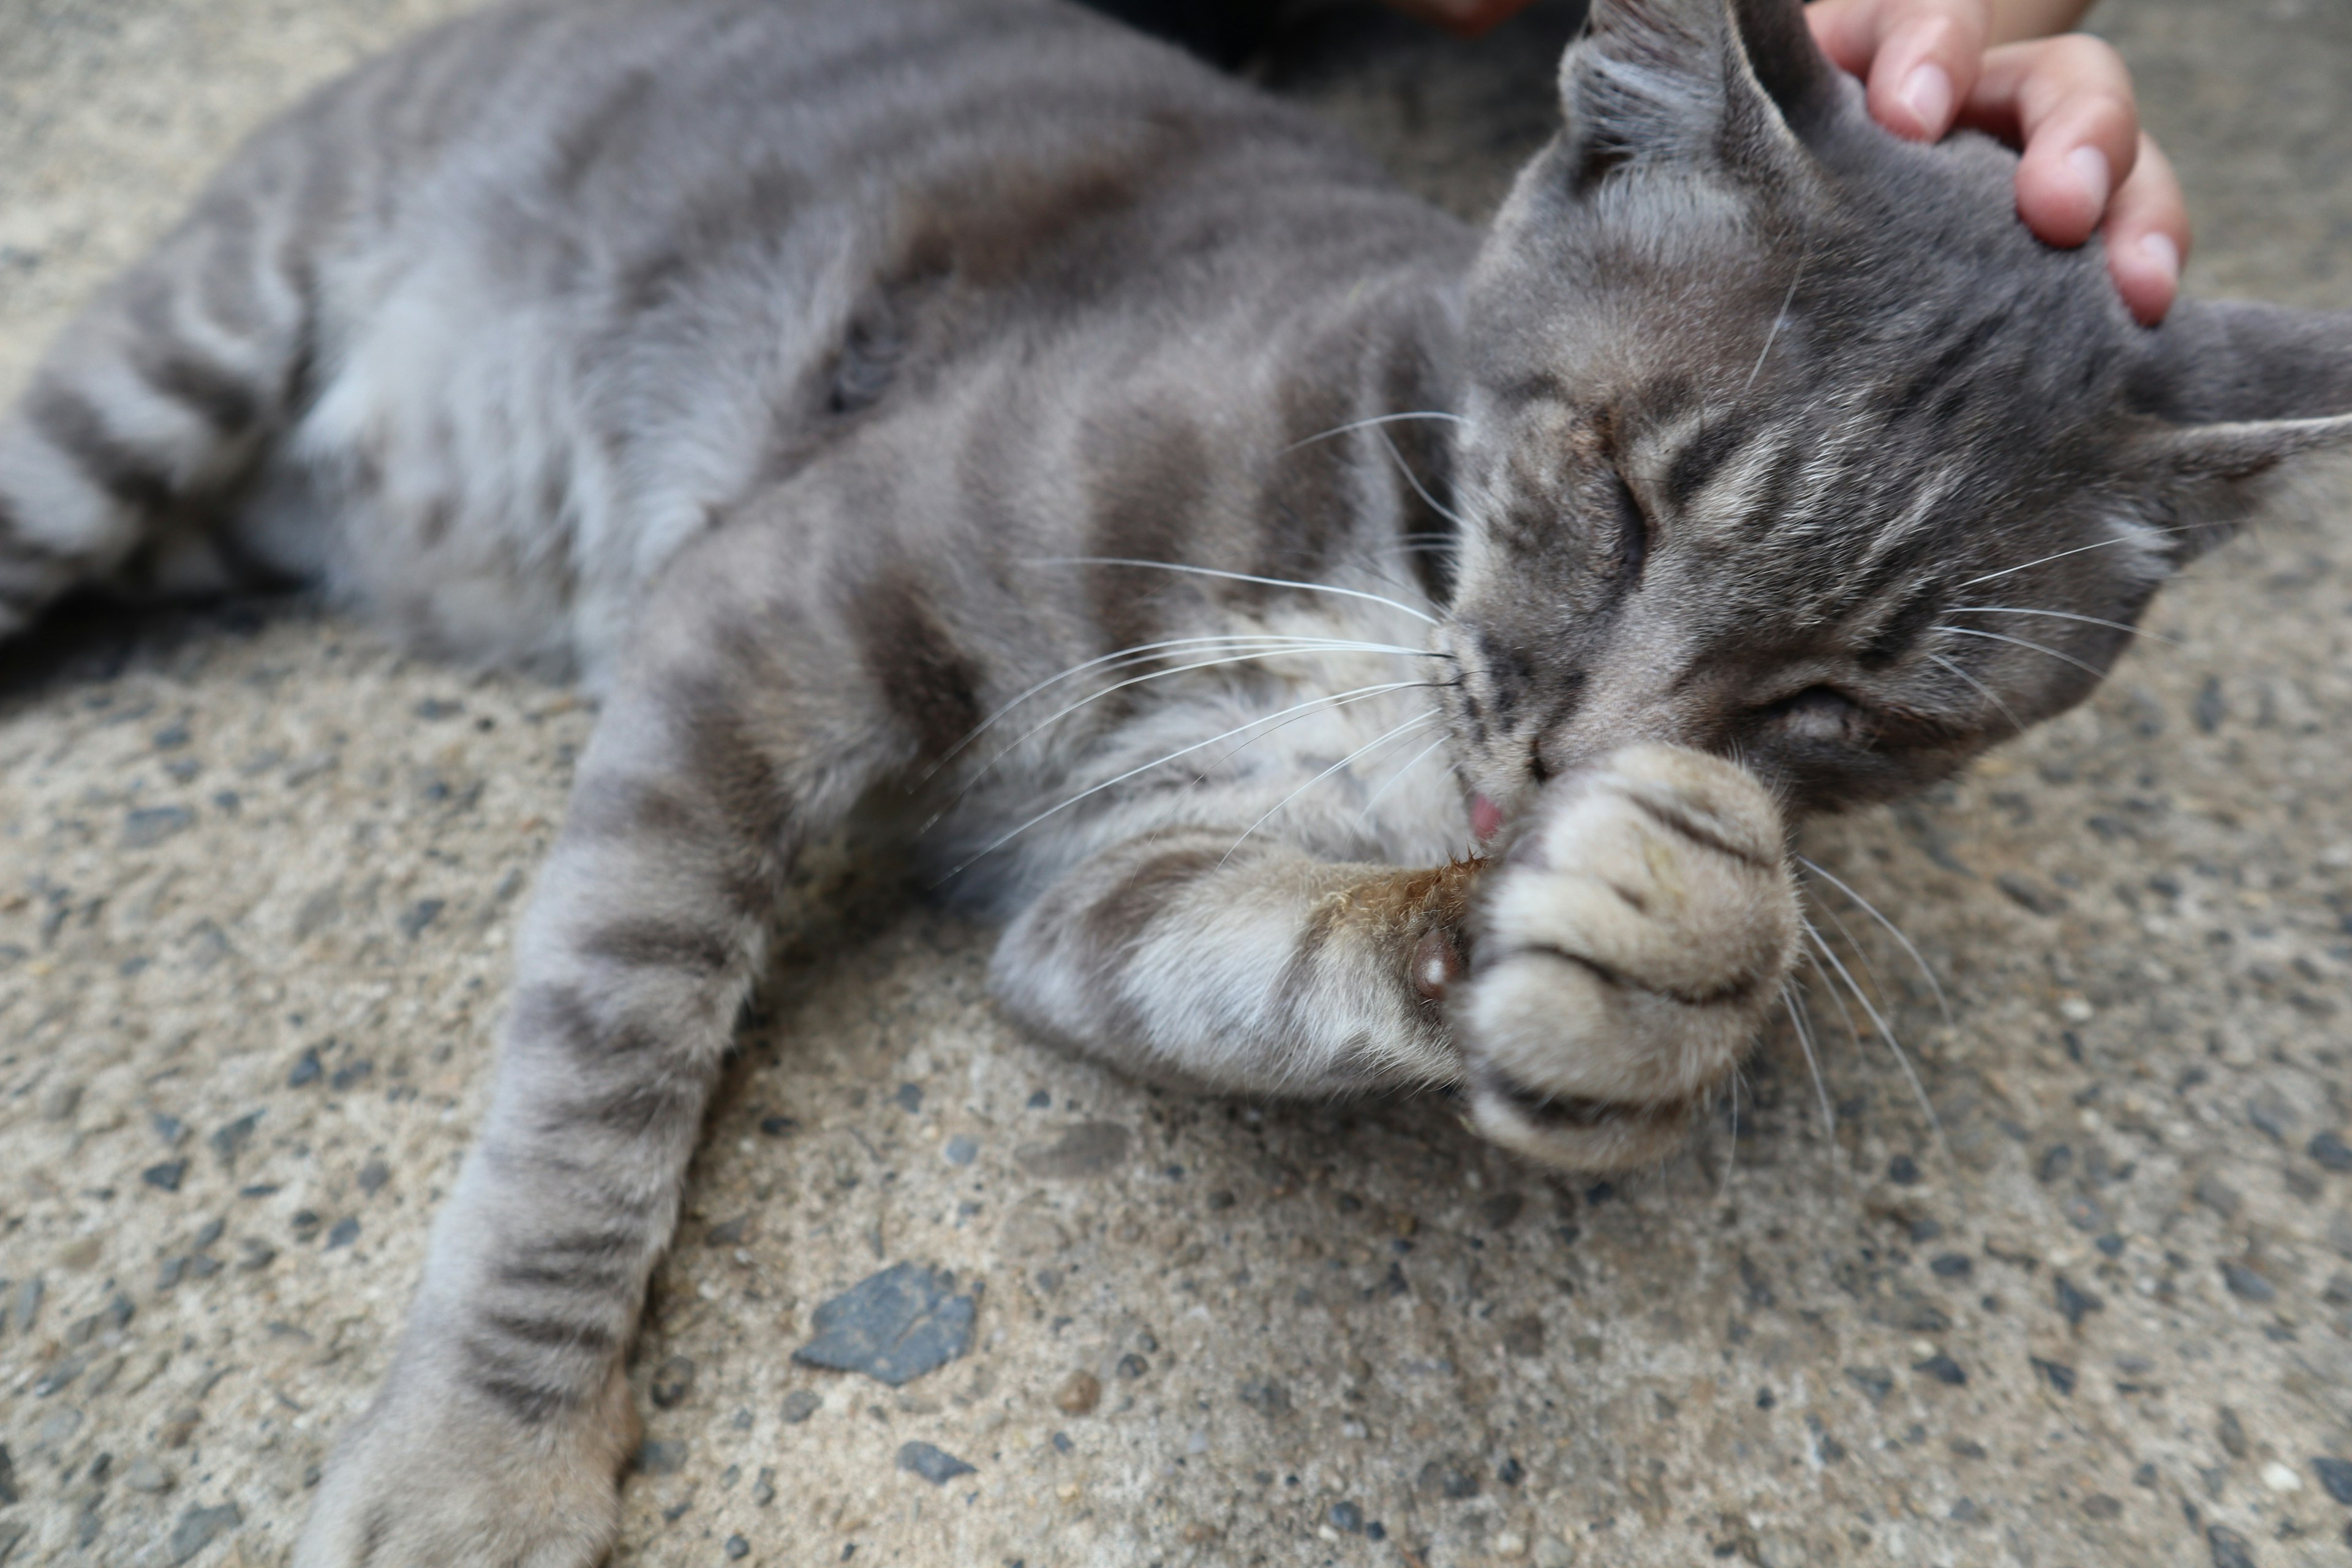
(1789, 441)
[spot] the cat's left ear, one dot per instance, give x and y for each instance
(1728, 85)
(2230, 391)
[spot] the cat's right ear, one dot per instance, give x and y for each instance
(2229, 391)
(1709, 87)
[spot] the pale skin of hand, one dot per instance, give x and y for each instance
(2010, 67)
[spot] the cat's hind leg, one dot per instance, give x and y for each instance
(1589, 992)
(151, 408)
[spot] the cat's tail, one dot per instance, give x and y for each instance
(153, 409)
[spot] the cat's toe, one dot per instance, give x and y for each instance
(1623, 956)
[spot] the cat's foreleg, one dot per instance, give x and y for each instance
(502, 1427)
(1589, 991)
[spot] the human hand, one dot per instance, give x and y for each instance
(2066, 101)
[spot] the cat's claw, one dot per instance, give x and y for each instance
(1623, 956)
(421, 1482)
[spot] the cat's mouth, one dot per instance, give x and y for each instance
(1486, 818)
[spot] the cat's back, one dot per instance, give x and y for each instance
(589, 275)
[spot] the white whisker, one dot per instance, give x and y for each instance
(2061, 555)
(2058, 616)
(1902, 1059)
(1338, 700)
(1773, 336)
(1982, 690)
(1231, 576)
(1142, 652)
(1892, 929)
(1804, 1026)
(1405, 728)
(1365, 816)
(2093, 670)
(1367, 424)
(1448, 513)
(1019, 741)
(1731, 1155)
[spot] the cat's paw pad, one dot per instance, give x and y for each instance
(1623, 954)
(428, 1482)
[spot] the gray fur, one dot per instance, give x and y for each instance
(876, 394)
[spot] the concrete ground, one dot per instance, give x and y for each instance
(259, 872)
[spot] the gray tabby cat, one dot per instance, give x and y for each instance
(969, 395)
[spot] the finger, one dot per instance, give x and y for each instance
(1920, 57)
(2148, 236)
(2068, 102)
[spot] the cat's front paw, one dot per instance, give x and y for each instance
(428, 1479)
(1623, 955)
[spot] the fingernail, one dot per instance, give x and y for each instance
(2090, 166)
(2162, 255)
(1927, 94)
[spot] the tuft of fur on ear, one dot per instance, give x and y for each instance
(1724, 86)
(2230, 391)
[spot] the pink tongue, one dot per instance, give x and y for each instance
(1486, 818)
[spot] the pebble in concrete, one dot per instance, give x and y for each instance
(934, 1465)
(893, 1326)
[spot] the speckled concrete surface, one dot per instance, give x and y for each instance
(257, 872)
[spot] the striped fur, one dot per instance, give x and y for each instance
(1318, 627)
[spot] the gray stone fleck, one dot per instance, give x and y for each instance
(307, 1070)
(229, 1141)
(2076, 1302)
(419, 915)
(893, 1326)
(1269, 1399)
(8, 1492)
(2230, 1549)
(2245, 1284)
(166, 1175)
(59, 1375)
(151, 825)
(660, 1459)
(1875, 1381)
(27, 1309)
(763, 1491)
(934, 1465)
(960, 1149)
(800, 1404)
(2330, 1149)
(144, 1475)
(1089, 1148)
(2334, 1476)
(60, 1102)
(1448, 1479)
(672, 1382)
(374, 1175)
(345, 1232)
(2231, 1432)
(2030, 894)
(2218, 1196)
(199, 1527)
(737, 1547)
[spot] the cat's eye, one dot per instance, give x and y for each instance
(1633, 531)
(1816, 713)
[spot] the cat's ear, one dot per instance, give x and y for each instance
(2230, 391)
(1728, 85)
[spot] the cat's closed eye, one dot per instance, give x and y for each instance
(1817, 714)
